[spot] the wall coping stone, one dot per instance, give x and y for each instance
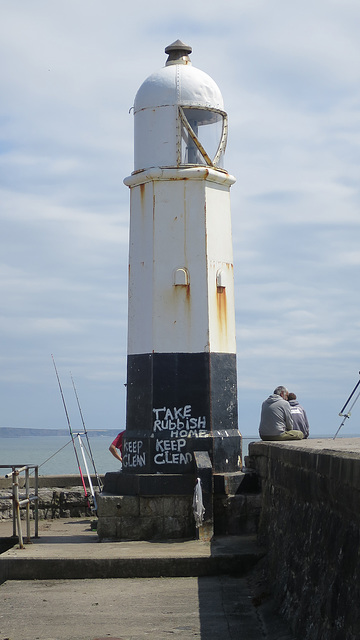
(319, 471)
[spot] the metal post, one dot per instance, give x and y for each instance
(36, 513)
(27, 504)
(17, 506)
(13, 501)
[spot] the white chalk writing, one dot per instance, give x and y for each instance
(176, 413)
(177, 418)
(170, 445)
(180, 425)
(188, 434)
(132, 454)
(172, 458)
(169, 452)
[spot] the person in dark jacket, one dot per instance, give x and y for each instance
(276, 422)
(298, 415)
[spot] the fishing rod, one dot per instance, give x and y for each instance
(86, 435)
(348, 414)
(71, 434)
(83, 451)
(87, 470)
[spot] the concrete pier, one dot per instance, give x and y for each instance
(67, 586)
(69, 549)
(303, 562)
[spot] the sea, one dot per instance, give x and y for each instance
(55, 455)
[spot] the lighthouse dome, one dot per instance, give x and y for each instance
(178, 85)
(179, 116)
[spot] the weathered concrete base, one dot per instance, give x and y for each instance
(145, 517)
(146, 507)
(161, 506)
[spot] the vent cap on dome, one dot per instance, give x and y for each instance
(178, 53)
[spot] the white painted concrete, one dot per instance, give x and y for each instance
(181, 286)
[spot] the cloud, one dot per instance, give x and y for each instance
(289, 75)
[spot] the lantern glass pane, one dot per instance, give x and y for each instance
(207, 125)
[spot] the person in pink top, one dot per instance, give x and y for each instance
(116, 446)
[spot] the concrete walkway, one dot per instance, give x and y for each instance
(66, 585)
(69, 549)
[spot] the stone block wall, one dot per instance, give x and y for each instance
(310, 526)
(59, 496)
(56, 502)
(237, 514)
(145, 517)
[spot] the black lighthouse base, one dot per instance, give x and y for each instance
(158, 506)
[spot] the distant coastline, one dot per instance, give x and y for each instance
(24, 432)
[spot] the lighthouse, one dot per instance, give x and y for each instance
(181, 358)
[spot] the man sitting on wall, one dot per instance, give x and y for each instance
(298, 415)
(276, 422)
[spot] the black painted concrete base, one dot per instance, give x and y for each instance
(179, 403)
(205, 382)
(125, 484)
(163, 453)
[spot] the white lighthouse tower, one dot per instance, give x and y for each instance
(181, 367)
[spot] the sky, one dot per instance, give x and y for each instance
(289, 74)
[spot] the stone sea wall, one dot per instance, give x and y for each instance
(309, 525)
(59, 497)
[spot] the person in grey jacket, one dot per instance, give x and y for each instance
(298, 415)
(276, 422)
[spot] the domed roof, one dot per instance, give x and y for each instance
(178, 83)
